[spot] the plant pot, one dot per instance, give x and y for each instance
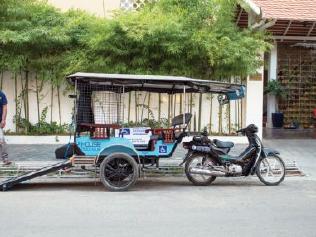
(277, 120)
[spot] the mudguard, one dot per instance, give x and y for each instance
(270, 152)
(118, 145)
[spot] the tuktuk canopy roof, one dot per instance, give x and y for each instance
(154, 83)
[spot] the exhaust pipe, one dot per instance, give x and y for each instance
(207, 172)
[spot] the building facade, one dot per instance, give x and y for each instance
(292, 60)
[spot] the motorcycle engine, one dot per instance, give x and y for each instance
(234, 170)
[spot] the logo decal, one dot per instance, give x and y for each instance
(163, 149)
(125, 131)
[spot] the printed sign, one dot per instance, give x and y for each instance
(137, 135)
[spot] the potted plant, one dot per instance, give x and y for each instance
(275, 88)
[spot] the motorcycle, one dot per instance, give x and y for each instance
(207, 159)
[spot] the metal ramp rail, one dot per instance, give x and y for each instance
(9, 183)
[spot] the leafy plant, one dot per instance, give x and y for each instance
(276, 89)
(42, 127)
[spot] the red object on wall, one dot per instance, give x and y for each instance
(314, 113)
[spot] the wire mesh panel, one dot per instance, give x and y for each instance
(107, 107)
(99, 104)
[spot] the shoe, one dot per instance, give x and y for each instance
(7, 162)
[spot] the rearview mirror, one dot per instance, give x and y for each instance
(222, 99)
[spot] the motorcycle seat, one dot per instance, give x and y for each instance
(221, 144)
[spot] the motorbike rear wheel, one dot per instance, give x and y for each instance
(271, 170)
(199, 161)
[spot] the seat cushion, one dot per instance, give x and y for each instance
(221, 144)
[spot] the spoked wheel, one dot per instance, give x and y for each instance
(118, 172)
(202, 162)
(271, 170)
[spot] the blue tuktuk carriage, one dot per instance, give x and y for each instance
(120, 153)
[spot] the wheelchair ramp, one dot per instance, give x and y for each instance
(9, 183)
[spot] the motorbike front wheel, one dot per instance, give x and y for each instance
(199, 161)
(271, 170)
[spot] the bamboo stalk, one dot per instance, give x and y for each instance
(148, 105)
(190, 108)
(174, 105)
(211, 113)
(37, 97)
(129, 106)
(59, 105)
(1, 82)
(220, 119)
(169, 109)
(136, 107)
(16, 100)
(51, 101)
(229, 120)
(180, 109)
(194, 123)
(27, 114)
(159, 107)
(200, 112)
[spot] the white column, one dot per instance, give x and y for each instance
(272, 75)
(254, 100)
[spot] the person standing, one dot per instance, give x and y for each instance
(3, 117)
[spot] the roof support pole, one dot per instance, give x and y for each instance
(184, 101)
(311, 29)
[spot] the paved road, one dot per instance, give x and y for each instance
(169, 206)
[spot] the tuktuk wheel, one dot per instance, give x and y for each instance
(119, 172)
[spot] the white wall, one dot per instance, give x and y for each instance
(45, 101)
(254, 100)
(101, 8)
(67, 106)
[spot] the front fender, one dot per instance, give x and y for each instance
(121, 145)
(269, 152)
